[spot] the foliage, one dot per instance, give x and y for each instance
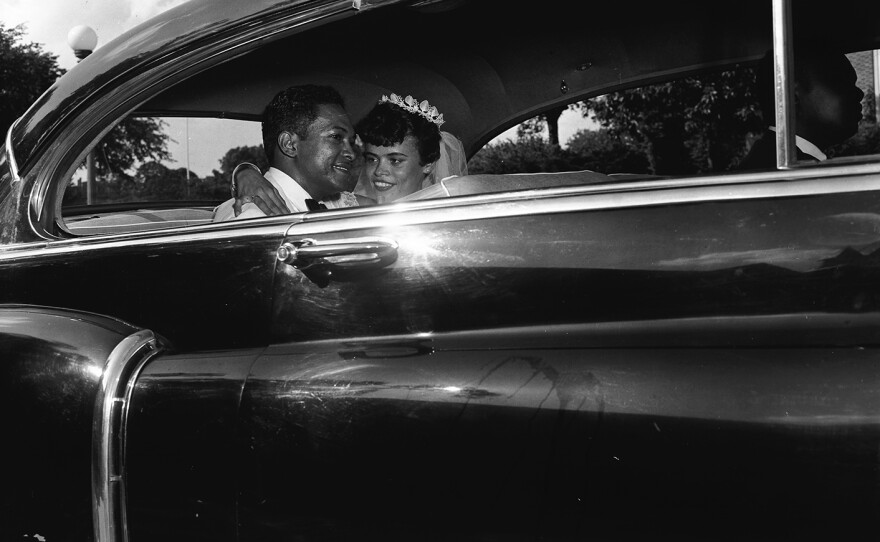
(691, 125)
(696, 124)
(865, 141)
(594, 150)
(253, 154)
(234, 156)
(161, 183)
(526, 155)
(132, 140)
(867, 138)
(535, 126)
(142, 140)
(25, 71)
(152, 181)
(599, 150)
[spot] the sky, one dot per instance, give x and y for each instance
(48, 22)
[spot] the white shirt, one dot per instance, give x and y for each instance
(806, 147)
(294, 196)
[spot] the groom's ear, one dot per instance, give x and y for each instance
(288, 143)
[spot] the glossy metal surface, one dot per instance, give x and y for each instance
(747, 257)
(803, 181)
(551, 437)
(11, 162)
(783, 70)
(207, 290)
(52, 364)
(182, 436)
(108, 433)
(676, 356)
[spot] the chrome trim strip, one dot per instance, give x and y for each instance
(108, 433)
(783, 82)
(169, 237)
(361, 5)
(801, 181)
(10, 156)
(806, 323)
(590, 198)
(876, 59)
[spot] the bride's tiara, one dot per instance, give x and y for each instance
(412, 105)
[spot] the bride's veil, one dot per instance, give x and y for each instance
(452, 161)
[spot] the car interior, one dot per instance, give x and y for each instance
(488, 66)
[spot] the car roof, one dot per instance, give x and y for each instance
(486, 64)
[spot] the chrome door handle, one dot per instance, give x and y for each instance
(339, 253)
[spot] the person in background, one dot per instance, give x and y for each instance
(827, 107)
(404, 151)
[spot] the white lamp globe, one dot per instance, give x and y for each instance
(82, 38)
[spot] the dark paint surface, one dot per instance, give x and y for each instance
(577, 374)
(181, 449)
(50, 367)
(557, 444)
(545, 377)
(203, 294)
(691, 260)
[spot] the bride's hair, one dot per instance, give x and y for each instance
(388, 124)
(394, 118)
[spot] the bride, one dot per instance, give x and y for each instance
(405, 150)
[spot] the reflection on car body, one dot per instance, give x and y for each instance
(553, 356)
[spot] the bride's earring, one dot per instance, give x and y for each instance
(428, 170)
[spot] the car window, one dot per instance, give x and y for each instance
(151, 172)
(701, 124)
(704, 119)
(866, 140)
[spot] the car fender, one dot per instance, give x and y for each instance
(63, 381)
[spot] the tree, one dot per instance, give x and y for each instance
(25, 71)
(216, 186)
(161, 183)
(534, 126)
(598, 150)
(236, 155)
(867, 139)
(133, 140)
(691, 125)
(525, 155)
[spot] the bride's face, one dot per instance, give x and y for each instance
(395, 171)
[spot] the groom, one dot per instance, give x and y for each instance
(310, 143)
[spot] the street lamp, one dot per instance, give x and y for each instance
(82, 39)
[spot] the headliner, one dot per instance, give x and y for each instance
(486, 64)
(489, 64)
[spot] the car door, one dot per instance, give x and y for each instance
(556, 363)
(200, 288)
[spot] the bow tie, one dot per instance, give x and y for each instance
(314, 205)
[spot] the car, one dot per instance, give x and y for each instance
(542, 355)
